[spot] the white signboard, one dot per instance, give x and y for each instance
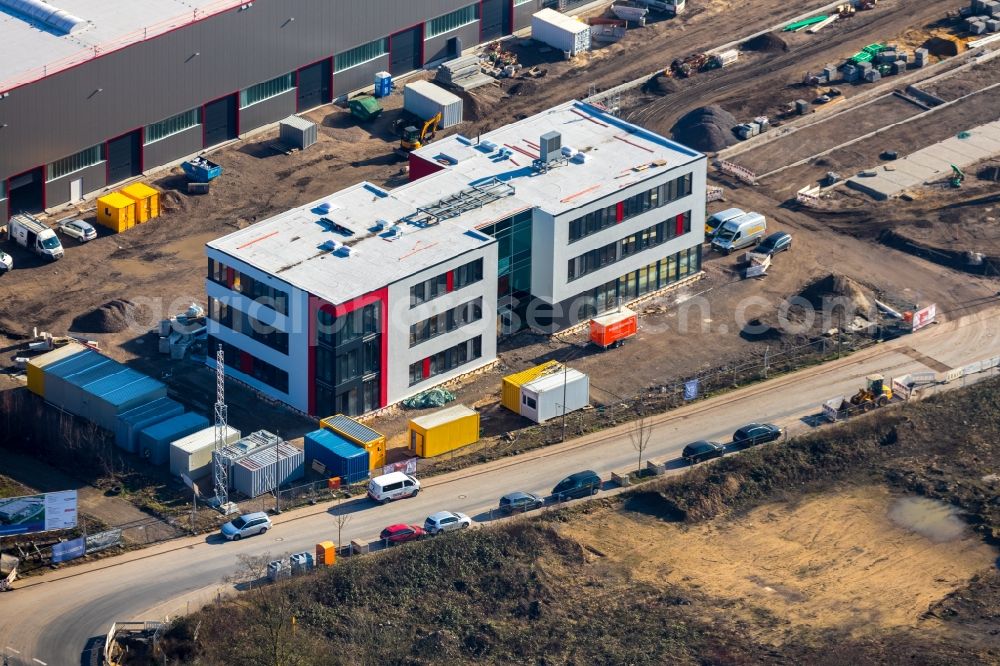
(38, 513)
(901, 386)
(924, 316)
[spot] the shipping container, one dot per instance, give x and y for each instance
(116, 212)
(560, 32)
(425, 100)
(155, 440)
(244, 446)
(130, 422)
(510, 396)
(372, 442)
(258, 472)
(192, 455)
(543, 398)
(443, 431)
(614, 327)
(38, 364)
(63, 380)
(341, 457)
(295, 132)
(107, 397)
(147, 201)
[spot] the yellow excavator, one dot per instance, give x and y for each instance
(874, 394)
(412, 138)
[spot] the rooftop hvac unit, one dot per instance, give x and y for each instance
(330, 246)
(549, 145)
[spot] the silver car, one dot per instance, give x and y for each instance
(446, 521)
(246, 525)
(78, 229)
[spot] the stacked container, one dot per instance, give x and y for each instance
(37, 365)
(341, 457)
(443, 431)
(511, 393)
(371, 441)
(425, 100)
(259, 472)
(192, 455)
(155, 440)
(131, 422)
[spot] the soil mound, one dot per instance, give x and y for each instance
(838, 290)
(707, 128)
(660, 85)
(766, 43)
(112, 317)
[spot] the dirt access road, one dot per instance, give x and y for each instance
(54, 617)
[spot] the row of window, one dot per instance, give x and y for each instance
(337, 331)
(241, 322)
(645, 280)
(637, 204)
(353, 401)
(266, 90)
(446, 322)
(598, 258)
(361, 54)
(256, 290)
(447, 360)
(81, 160)
(339, 367)
(452, 21)
(240, 360)
(441, 284)
(172, 125)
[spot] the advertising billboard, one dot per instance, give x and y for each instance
(38, 513)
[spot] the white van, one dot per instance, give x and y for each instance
(738, 232)
(392, 486)
(716, 220)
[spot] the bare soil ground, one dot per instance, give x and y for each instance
(833, 561)
(965, 83)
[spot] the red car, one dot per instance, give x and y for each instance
(402, 533)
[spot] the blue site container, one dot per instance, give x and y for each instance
(383, 84)
(341, 456)
(201, 170)
(107, 397)
(130, 422)
(59, 390)
(155, 440)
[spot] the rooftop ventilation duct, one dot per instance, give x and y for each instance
(57, 19)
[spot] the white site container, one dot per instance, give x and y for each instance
(542, 398)
(192, 455)
(425, 100)
(560, 32)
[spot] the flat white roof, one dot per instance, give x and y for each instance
(618, 154)
(31, 49)
(555, 380)
(443, 416)
(340, 254)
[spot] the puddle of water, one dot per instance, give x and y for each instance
(935, 520)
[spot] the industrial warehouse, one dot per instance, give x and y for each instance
(363, 298)
(96, 93)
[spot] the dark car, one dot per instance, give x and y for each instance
(519, 501)
(577, 485)
(401, 533)
(753, 434)
(696, 452)
(775, 243)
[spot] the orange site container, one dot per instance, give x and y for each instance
(326, 553)
(612, 328)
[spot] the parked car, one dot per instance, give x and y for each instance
(394, 485)
(6, 262)
(246, 525)
(701, 450)
(78, 229)
(777, 242)
(446, 521)
(753, 434)
(520, 501)
(577, 485)
(401, 533)
(713, 222)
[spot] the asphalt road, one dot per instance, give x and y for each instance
(52, 619)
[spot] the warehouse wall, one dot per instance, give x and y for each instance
(522, 14)
(3, 212)
(436, 48)
(359, 76)
(64, 113)
(173, 147)
(268, 111)
(94, 178)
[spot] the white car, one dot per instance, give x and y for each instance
(446, 521)
(6, 262)
(78, 229)
(246, 525)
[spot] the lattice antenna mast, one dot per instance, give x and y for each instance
(219, 472)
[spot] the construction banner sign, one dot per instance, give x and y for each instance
(38, 513)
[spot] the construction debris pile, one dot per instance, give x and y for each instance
(707, 128)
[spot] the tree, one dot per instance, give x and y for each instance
(341, 518)
(640, 432)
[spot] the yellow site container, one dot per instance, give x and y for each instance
(147, 201)
(371, 441)
(116, 212)
(443, 431)
(326, 553)
(37, 365)
(510, 396)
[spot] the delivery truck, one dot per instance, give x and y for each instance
(742, 231)
(35, 236)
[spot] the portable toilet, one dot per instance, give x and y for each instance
(147, 201)
(371, 441)
(116, 212)
(443, 431)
